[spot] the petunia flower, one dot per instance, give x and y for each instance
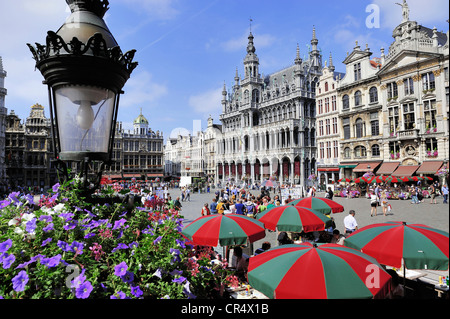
(84, 290)
(20, 281)
(4, 246)
(120, 269)
(136, 291)
(45, 242)
(8, 261)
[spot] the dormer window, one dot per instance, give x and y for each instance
(357, 71)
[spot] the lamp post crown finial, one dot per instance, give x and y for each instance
(98, 7)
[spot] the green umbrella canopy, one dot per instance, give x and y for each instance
(226, 230)
(294, 219)
(390, 243)
(323, 205)
(327, 271)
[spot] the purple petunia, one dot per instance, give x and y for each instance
(128, 277)
(48, 228)
(4, 246)
(157, 240)
(20, 281)
(31, 225)
(119, 295)
(51, 262)
(120, 269)
(77, 247)
(5, 203)
(63, 245)
(55, 187)
(136, 291)
(45, 242)
(119, 246)
(84, 290)
(46, 218)
(8, 260)
(119, 223)
(179, 280)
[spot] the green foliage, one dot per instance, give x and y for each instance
(66, 248)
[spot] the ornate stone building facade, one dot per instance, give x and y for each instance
(394, 111)
(138, 153)
(268, 122)
(327, 120)
(360, 113)
(415, 96)
(28, 150)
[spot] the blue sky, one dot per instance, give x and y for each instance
(187, 49)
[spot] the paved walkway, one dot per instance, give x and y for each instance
(433, 215)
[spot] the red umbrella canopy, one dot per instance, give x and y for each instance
(405, 179)
(232, 229)
(269, 183)
(420, 246)
(323, 205)
(294, 218)
(327, 271)
(347, 180)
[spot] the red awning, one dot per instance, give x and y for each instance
(388, 168)
(429, 167)
(328, 169)
(364, 167)
(405, 170)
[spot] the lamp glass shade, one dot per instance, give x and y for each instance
(84, 116)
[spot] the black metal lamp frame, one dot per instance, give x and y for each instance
(87, 64)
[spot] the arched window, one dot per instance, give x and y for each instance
(347, 152)
(373, 94)
(345, 102)
(326, 86)
(359, 128)
(358, 98)
(360, 151)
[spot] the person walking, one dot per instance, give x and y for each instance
(213, 206)
(444, 191)
(384, 202)
(350, 223)
(188, 194)
(414, 199)
(373, 204)
(433, 194)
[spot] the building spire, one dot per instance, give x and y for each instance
(331, 67)
(314, 40)
(298, 59)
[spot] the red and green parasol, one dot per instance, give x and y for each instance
(323, 205)
(327, 271)
(226, 230)
(347, 180)
(269, 183)
(390, 243)
(294, 219)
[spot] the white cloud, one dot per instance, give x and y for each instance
(142, 90)
(207, 102)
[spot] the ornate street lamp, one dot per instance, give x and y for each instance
(85, 71)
